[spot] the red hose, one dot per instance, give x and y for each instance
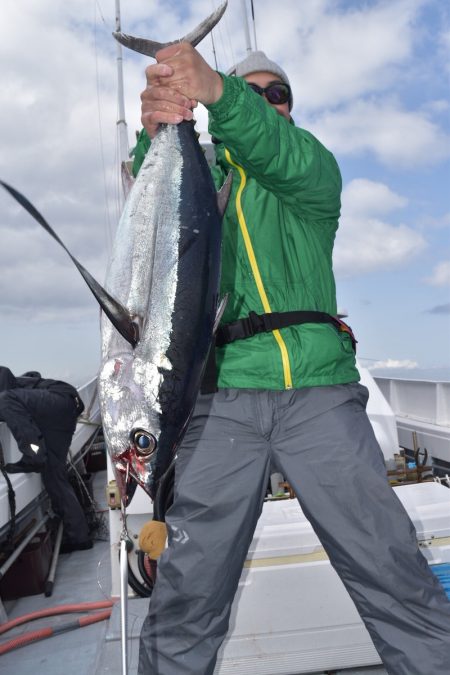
(51, 611)
(25, 639)
(43, 633)
(94, 618)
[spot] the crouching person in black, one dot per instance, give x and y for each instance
(42, 416)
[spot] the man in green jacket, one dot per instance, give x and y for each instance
(288, 393)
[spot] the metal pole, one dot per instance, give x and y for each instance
(124, 604)
(246, 27)
(13, 557)
(51, 575)
(121, 123)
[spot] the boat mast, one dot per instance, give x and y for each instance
(246, 25)
(124, 150)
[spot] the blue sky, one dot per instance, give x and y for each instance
(370, 79)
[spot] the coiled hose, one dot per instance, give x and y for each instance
(147, 566)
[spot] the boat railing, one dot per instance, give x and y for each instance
(422, 411)
(419, 399)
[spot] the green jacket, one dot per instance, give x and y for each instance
(278, 234)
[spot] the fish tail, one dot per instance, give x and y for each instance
(150, 47)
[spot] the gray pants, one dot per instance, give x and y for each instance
(322, 441)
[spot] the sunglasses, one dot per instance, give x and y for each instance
(276, 93)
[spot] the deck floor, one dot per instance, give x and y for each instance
(84, 576)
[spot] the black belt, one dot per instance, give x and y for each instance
(265, 323)
(254, 323)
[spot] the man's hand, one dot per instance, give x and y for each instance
(179, 79)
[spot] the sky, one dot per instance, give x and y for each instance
(370, 79)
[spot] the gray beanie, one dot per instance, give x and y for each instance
(258, 62)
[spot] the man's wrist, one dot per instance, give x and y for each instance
(217, 89)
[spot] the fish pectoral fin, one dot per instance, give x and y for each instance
(119, 315)
(114, 310)
(219, 313)
(224, 194)
(150, 47)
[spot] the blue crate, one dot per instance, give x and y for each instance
(443, 574)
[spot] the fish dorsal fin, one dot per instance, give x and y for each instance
(150, 47)
(224, 194)
(114, 310)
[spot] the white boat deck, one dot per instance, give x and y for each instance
(85, 576)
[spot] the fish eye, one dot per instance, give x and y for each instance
(144, 443)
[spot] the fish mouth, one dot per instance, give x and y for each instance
(132, 466)
(126, 483)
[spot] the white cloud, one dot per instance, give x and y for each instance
(362, 196)
(438, 106)
(58, 116)
(436, 222)
(364, 242)
(397, 137)
(335, 53)
(393, 363)
(440, 275)
(341, 61)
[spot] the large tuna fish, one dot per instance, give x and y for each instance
(165, 270)
(161, 299)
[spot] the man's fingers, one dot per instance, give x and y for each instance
(167, 115)
(157, 70)
(162, 100)
(152, 121)
(172, 50)
(162, 95)
(153, 118)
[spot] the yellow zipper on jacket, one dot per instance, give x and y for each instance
(256, 274)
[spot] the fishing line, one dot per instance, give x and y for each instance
(224, 24)
(104, 565)
(214, 51)
(100, 12)
(254, 24)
